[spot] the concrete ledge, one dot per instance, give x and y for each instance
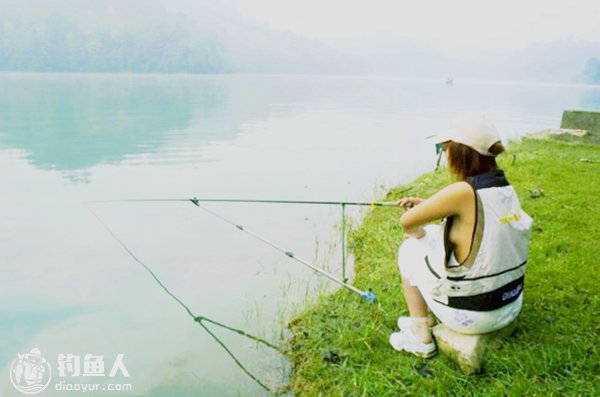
(469, 351)
(582, 120)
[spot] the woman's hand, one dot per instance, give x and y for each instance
(447, 202)
(409, 202)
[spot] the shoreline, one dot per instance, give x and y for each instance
(338, 345)
(374, 77)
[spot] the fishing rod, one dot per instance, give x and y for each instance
(230, 200)
(367, 295)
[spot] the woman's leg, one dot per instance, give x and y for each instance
(414, 300)
(410, 255)
(418, 311)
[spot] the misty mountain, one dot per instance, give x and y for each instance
(563, 61)
(103, 36)
(556, 61)
(150, 36)
(209, 36)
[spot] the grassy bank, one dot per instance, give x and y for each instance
(339, 346)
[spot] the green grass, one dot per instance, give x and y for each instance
(556, 348)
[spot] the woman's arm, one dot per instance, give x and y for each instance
(450, 201)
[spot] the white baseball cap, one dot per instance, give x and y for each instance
(472, 130)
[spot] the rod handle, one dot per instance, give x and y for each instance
(386, 204)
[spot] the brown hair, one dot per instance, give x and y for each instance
(464, 161)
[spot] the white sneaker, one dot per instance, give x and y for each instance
(405, 340)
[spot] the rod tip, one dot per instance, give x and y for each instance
(369, 296)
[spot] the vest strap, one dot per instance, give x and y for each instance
(464, 278)
(490, 300)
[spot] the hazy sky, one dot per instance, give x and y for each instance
(456, 24)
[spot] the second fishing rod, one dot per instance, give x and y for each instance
(367, 295)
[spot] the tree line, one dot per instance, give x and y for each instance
(50, 46)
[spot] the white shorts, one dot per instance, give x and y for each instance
(412, 266)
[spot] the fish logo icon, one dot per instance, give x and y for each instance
(30, 373)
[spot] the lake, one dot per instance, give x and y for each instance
(69, 287)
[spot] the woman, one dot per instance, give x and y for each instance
(469, 271)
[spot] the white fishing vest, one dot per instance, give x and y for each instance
(493, 273)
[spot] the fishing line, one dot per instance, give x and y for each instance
(197, 319)
(367, 295)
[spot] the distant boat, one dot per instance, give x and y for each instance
(450, 81)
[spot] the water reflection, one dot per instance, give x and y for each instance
(75, 123)
(71, 123)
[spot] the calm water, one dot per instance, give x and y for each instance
(68, 287)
